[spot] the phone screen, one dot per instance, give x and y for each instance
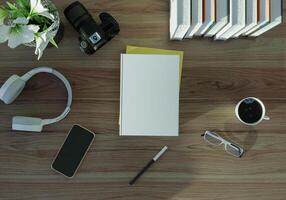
(72, 151)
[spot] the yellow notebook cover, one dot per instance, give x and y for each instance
(145, 50)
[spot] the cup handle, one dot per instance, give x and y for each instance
(266, 118)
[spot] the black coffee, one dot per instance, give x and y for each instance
(250, 111)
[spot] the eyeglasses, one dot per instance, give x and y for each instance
(215, 139)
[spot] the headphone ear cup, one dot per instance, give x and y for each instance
(11, 89)
(33, 124)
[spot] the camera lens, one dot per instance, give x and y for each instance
(83, 44)
(76, 14)
(85, 47)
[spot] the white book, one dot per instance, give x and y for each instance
(180, 12)
(275, 17)
(251, 17)
(263, 15)
(173, 17)
(237, 20)
(230, 18)
(149, 95)
(222, 13)
(196, 17)
(208, 16)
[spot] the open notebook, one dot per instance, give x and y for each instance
(149, 95)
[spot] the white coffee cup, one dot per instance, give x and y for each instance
(251, 111)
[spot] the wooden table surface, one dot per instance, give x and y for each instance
(216, 75)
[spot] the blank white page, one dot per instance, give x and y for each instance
(149, 95)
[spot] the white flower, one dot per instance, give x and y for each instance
(38, 8)
(17, 34)
(41, 44)
(4, 33)
(43, 39)
(21, 20)
(24, 34)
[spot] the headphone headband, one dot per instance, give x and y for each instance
(49, 70)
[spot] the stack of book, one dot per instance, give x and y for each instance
(223, 19)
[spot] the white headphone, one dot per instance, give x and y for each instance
(11, 89)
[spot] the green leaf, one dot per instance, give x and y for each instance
(53, 42)
(11, 6)
(43, 22)
(14, 14)
(24, 4)
(3, 15)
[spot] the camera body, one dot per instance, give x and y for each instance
(92, 35)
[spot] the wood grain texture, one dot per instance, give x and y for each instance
(216, 75)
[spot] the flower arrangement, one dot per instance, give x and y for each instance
(28, 22)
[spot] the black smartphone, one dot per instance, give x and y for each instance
(73, 151)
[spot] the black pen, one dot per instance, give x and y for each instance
(153, 160)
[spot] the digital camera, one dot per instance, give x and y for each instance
(92, 35)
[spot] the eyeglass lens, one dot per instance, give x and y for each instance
(210, 138)
(234, 150)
